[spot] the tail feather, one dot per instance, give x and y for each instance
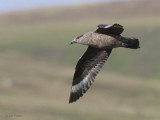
(132, 43)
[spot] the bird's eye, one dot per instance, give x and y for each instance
(79, 36)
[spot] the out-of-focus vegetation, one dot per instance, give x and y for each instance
(37, 63)
(45, 34)
(37, 90)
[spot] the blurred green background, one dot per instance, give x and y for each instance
(37, 63)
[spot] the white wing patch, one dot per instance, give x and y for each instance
(107, 26)
(80, 85)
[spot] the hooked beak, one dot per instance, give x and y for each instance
(73, 41)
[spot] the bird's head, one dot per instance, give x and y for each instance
(76, 39)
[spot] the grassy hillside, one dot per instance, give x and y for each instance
(36, 90)
(49, 41)
(101, 11)
(44, 33)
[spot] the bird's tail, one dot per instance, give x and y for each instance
(132, 43)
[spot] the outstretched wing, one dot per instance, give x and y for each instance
(115, 29)
(86, 70)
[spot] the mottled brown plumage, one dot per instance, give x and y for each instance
(100, 44)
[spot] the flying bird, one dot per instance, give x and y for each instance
(100, 44)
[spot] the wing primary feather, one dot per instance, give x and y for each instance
(115, 29)
(87, 68)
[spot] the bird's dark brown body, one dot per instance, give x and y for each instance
(100, 44)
